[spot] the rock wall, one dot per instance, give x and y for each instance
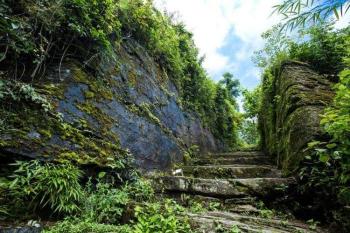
(104, 106)
(291, 118)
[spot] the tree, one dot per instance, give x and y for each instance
(249, 132)
(300, 12)
(252, 102)
(232, 85)
(276, 47)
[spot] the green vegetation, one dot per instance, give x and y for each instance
(324, 174)
(249, 132)
(92, 188)
(104, 203)
(227, 118)
(95, 188)
(81, 226)
(327, 170)
(99, 205)
(321, 46)
(160, 217)
(47, 185)
(37, 34)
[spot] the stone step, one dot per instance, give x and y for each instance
(231, 171)
(254, 160)
(238, 154)
(209, 222)
(185, 199)
(240, 201)
(223, 188)
(243, 209)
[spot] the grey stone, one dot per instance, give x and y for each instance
(225, 188)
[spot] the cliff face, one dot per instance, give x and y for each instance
(291, 118)
(129, 103)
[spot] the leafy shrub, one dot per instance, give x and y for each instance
(324, 50)
(219, 228)
(160, 217)
(336, 122)
(35, 33)
(47, 185)
(22, 92)
(104, 203)
(84, 226)
(321, 46)
(4, 205)
(140, 190)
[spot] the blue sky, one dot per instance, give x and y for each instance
(227, 32)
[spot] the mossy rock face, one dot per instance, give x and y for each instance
(301, 95)
(103, 108)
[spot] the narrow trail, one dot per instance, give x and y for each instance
(237, 181)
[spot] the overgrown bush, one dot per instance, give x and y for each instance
(336, 122)
(322, 46)
(140, 190)
(4, 205)
(104, 203)
(324, 50)
(36, 33)
(161, 217)
(84, 226)
(41, 185)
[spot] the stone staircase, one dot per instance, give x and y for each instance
(236, 181)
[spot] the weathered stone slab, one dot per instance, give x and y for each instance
(221, 187)
(207, 223)
(231, 171)
(263, 160)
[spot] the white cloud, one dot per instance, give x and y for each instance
(206, 20)
(212, 21)
(343, 21)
